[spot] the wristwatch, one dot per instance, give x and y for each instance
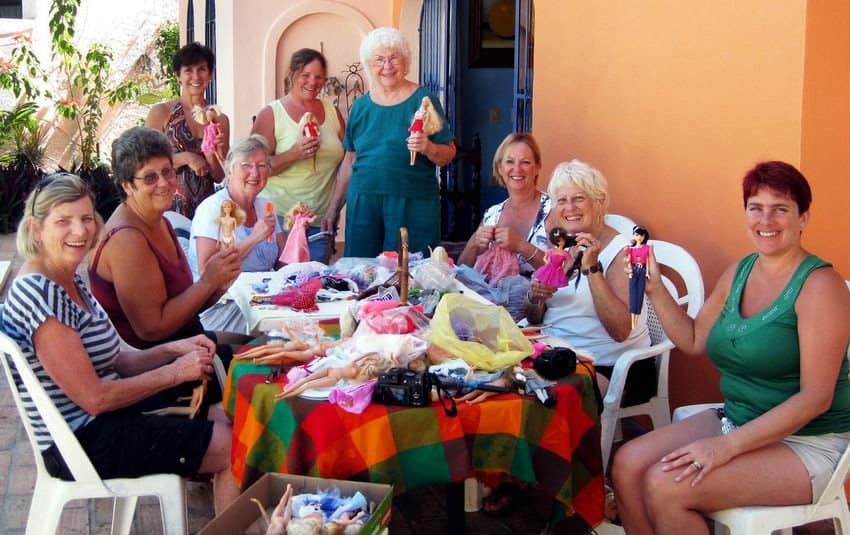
(595, 268)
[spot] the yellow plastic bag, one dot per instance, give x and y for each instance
(484, 336)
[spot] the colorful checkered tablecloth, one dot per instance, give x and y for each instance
(556, 449)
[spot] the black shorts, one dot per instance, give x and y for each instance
(641, 383)
(125, 443)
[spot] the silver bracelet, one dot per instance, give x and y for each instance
(533, 255)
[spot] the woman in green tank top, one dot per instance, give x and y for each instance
(777, 327)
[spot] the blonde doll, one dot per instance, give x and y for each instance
(425, 120)
(229, 219)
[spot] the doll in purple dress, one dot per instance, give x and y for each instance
(553, 272)
(636, 257)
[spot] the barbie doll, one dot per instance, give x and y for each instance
(557, 261)
(636, 256)
(359, 370)
(207, 118)
(230, 217)
(309, 127)
(426, 120)
(296, 248)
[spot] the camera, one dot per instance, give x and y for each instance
(401, 386)
(555, 363)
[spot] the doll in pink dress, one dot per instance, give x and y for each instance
(309, 127)
(425, 120)
(207, 118)
(636, 258)
(553, 272)
(296, 248)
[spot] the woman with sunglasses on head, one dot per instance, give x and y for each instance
(381, 189)
(74, 351)
(139, 272)
(198, 171)
(303, 167)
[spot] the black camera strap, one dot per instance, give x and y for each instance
(446, 399)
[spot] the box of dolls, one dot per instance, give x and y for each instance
(283, 503)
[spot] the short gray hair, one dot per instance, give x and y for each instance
(132, 149)
(584, 177)
(51, 191)
(244, 148)
(384, 37)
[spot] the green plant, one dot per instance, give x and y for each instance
(167, 43)
(87, 76)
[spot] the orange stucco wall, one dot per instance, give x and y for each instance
(674, 101)
(825, 157)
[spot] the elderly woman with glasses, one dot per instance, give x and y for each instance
(381, 188)
(139, 272)
(258, 239)
(102, 389)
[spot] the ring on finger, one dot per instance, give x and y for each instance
(697, 465)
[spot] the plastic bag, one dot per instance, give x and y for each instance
(485, 336)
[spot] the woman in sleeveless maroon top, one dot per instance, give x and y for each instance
(139, 272)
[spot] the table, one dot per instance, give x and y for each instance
(265, 318)
(557, 449)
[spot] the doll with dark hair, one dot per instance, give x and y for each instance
(558, 260)
(635, 258)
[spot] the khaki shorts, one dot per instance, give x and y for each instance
(820, 455)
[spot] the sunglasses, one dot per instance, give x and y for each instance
(152, 178)
(43, 183)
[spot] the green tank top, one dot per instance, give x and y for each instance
(759, 357)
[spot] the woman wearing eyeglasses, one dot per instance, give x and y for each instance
(259, 239)
(382, 190)
(139, 272)
(303, 165)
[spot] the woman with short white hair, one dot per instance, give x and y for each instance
(377, 181)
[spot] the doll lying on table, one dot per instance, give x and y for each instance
(355, 373)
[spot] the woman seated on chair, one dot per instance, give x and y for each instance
(777, 326)
(591, 311)
(139, 272)
(515, 224)
(258, 237)
(74, 351)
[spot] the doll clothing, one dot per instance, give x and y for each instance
(496, 263)
(553, 273)
(296, 249)
(210, 132)
(537, 235)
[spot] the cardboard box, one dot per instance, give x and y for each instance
(243, 513)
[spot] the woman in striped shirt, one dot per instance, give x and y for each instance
(101, 389)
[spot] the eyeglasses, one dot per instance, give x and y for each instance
(260, 167)
(380, 61)
(168, 173)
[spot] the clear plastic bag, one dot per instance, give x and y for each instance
(485, 336)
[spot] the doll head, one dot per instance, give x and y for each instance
(227, 208)
(210, 114)
(230, 209)
(640, 235)
(558, 237)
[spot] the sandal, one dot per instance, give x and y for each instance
(504, 499)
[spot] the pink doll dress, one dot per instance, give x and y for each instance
(552, 273)
(497, 263)
(296, 248)
(210, 131)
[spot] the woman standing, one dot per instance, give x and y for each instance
(516, 224)
(293, 177)
(382, 190)
(198, 172)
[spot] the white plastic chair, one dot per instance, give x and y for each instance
(51, 494)
(658, 407)
(182, 227)
(620, 223)
(765, 519)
